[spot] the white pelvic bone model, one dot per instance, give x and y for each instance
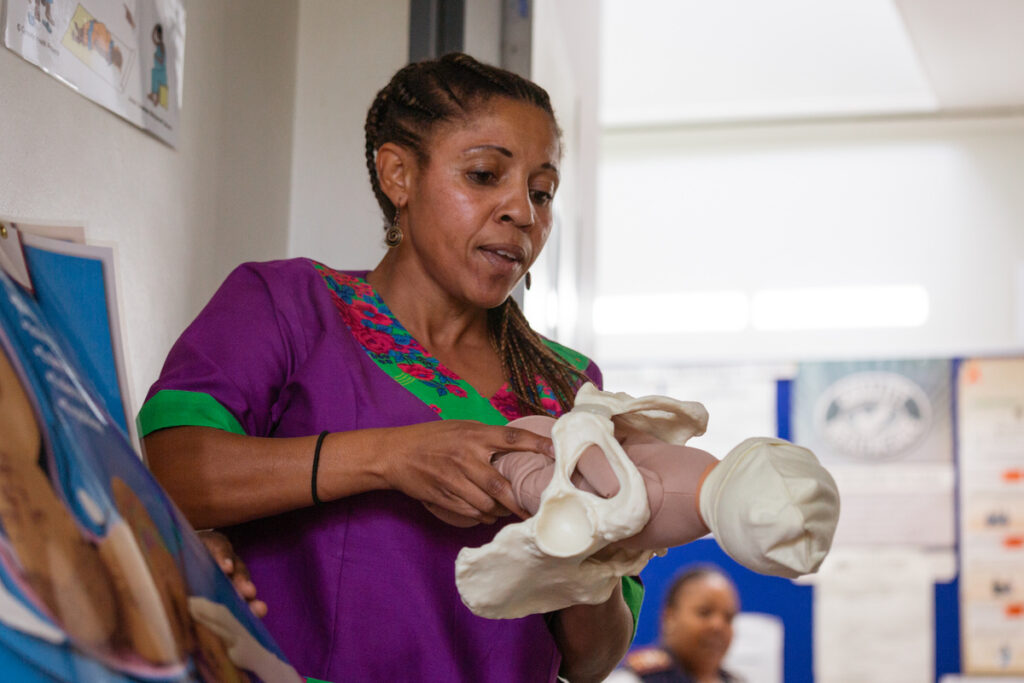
(769, 503)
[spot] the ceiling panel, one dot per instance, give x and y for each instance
(971, 50)
(667, 62)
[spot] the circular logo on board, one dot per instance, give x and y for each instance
(873, 415)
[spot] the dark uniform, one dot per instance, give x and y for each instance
(657, 665)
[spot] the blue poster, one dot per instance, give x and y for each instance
(72, 294)
(101, 578)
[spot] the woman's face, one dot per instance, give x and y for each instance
(698, 627)
(479, 209)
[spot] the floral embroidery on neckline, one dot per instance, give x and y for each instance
(387, 342)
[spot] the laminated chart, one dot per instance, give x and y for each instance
(991, 441)
(126, 56)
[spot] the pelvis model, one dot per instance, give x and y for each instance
(623, 487)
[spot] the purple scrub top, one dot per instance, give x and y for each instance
(363, 588)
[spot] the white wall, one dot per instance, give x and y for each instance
(347, 51)
(934, 203)
(565, 61)
(180, 218)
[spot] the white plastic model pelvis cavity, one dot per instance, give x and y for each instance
(552, 560)
(769, 503)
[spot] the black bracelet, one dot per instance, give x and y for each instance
(316, 464)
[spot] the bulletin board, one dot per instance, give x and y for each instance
(793, 602)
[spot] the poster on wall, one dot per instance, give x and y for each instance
(74, 283)
(884, 430)
(991, 438)
(126, 55)
(102, 580)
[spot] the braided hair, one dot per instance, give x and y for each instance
(420, 96)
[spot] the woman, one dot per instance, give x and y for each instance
(386, 389)
(696, 631)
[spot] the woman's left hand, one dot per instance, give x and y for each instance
(233, 567)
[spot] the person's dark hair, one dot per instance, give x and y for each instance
(405, 112)
(690, 575)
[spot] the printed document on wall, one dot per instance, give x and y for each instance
(873, 617)
(125, 55)
(991, 434)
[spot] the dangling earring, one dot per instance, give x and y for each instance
(529, 280)
(393, 237)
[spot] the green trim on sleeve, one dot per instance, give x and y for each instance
(173, 408)
(633, 594)
(573, 358)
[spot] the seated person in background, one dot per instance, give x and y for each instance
(696, 631)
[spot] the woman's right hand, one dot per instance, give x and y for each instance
(447, 465)
(233, 567)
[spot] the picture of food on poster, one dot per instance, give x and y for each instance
(126, 55)
(101, 578)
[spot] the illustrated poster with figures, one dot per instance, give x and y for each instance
(126, 55)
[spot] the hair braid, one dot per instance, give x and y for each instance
(405, 112)
(371, 129)
(525, 358)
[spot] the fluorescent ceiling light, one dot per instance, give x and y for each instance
(837, 308)
(671, 312)
(809, 308)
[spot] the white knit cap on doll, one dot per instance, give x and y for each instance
(772, 507)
